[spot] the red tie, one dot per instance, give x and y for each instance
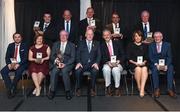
(109, 48)
(16, 52)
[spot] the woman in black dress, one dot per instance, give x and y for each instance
(137, 57)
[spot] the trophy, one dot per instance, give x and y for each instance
(149, 38)
(59, 58)
(38, 57)
(113, 61)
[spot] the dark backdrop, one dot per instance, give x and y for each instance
(165, 16)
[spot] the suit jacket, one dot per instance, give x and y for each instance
(69, 54)
(83, 55)
(139, 26)
(73, 35)
(50, 35)
(118, 51)
(23, 54)
(82, 29)
(165, 53)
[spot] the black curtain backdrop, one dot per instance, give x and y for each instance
(164, 14)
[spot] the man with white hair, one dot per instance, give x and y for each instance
(161, 60)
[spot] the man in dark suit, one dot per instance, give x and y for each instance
(145, 25)
(48, 28)
(69, 25)
(87, 23)
(61, 63)
(87, 58)
(112, 61)
(115, 27)
(16, 60)
(161, 60)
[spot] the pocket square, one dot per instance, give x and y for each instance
(22, 49)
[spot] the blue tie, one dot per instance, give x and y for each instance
(145, 30)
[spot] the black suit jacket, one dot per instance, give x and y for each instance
(139, 26)
(23, 53)
(83, 55)
(73, 35)
(69, 54)
(50, 35)
(82, 29)
(118, 51)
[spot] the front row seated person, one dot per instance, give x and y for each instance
(137, 53)
(88, 57)
(39, 55)
(62, 60)
(16, 61)
(112, 60)
(161, 61)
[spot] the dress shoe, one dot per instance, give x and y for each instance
(9, 95)
(51, 95)
(68, 95)
(108, 91)
(117, 92)
(38, 91)
(157, 93)
(93, 93)
(78, 92)
(141, 94)
(34, 91)
(171, 93)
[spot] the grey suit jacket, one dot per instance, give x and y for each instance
(69, 54)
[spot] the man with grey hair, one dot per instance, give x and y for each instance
(161, 60)
(61, 63)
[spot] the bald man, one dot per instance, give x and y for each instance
(68, 24)
(161, 60)
(61, 63)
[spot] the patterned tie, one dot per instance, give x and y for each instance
(89, 46)
(16, 52)
(145, 30)
(110, 49)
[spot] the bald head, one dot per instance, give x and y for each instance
(89, 34)
(145, 16)
(158, 36)
(63, 35)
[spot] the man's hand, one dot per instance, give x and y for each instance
(10, 66)
(61, 65)
(16, 66)
(78, 66)
(95, 65)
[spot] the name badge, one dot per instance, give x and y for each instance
(162, 62)
(113, 59)
(36, 23)
(117, 30)
(39, 55)
(13, 60)
(139, 59)
(92, 23)
(149, 35)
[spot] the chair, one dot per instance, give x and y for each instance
(25, 72)
(164, 74)
(132, 80)
(124, 74)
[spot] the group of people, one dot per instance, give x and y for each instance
(89, 49)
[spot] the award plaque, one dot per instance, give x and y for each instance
(92, 23)
(149, 37)
(13, 60)
(38, 57)
(36, 24)
(113, 61)
(139, 59)
(117, 30)
(161, 62)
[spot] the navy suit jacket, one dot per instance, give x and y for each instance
(83, 55)
(165, 53)
(73, 35)
(23, 53)
(118, 51)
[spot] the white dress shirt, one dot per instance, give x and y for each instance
(69, 24)
(147, 25)
(111, 44)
